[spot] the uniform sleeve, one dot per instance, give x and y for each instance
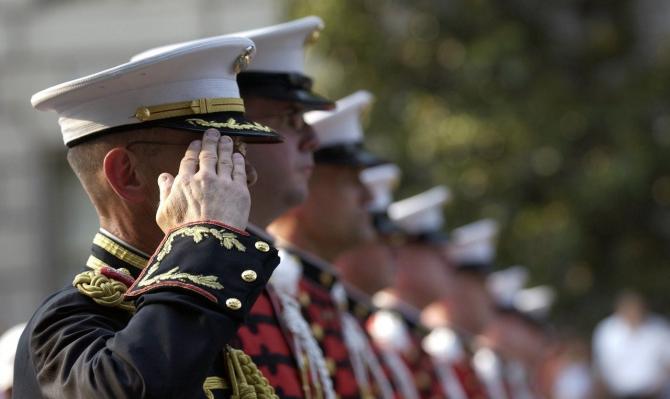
(190, 301)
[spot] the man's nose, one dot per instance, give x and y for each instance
(309, 142)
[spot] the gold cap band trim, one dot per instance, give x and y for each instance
(119, 252)
(195, 107)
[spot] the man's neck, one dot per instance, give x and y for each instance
(143, 237)
(288, 229)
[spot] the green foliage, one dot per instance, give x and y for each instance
(542, 115)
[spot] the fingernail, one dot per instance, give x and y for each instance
(227, 139)
(212, 134)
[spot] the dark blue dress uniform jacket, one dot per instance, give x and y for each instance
(163, 339)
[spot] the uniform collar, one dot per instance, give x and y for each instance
(314, 269)
(109, 250)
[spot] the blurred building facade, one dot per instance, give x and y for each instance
(47, 221)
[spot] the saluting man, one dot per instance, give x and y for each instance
(130, 325)
(277, 91)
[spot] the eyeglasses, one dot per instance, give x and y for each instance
(292, 120)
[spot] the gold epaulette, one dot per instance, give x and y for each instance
(104, 289)
(247, 382)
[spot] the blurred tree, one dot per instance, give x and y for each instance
(543, 116)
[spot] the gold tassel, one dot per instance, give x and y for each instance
(245, 378)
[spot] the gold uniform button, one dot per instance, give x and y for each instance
(331, 366)
(317, 331)
(233, 303)
(249, 276)
(262, 246)
(422, 380)
(304, 299)
(326, 278)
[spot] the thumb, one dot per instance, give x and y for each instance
(165, 181)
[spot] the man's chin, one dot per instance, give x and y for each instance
(296, 196)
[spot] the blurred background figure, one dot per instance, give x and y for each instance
(631, 351)
(8, 342)
(573, 376)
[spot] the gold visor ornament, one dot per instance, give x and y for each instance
(314, 36)
(243, 61)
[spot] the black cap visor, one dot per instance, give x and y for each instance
(482, 268)
(347, 155)
(232, 124)
(292, 87)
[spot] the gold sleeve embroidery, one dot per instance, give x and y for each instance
(198, 233)
(175, 275)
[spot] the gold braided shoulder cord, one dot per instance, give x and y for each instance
(102, 289)
(246, 380)
(212, 383)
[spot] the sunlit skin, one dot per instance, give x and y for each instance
(517, 339)
(283, 169)
(422, 276)
(632, 309)
(120, 175)
(369, 267)
(334, 218)
(470, 303)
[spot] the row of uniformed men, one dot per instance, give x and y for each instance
(367, 294)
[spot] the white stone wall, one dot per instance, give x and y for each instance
(46, 222)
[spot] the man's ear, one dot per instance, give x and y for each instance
(121, 171)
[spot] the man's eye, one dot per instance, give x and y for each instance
(296, 121)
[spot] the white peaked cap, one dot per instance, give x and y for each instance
(381, 180)
(281, 48)
(535, 301)
(343, 124)
(9, 340)
(475, 242)
(113, 97)
(421, 213)
(505, 284)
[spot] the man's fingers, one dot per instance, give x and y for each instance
(225, 162)
(209, 152)
(239, 169)
(165, 181)
(189, 162)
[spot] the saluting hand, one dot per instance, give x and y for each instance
(211, 185)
